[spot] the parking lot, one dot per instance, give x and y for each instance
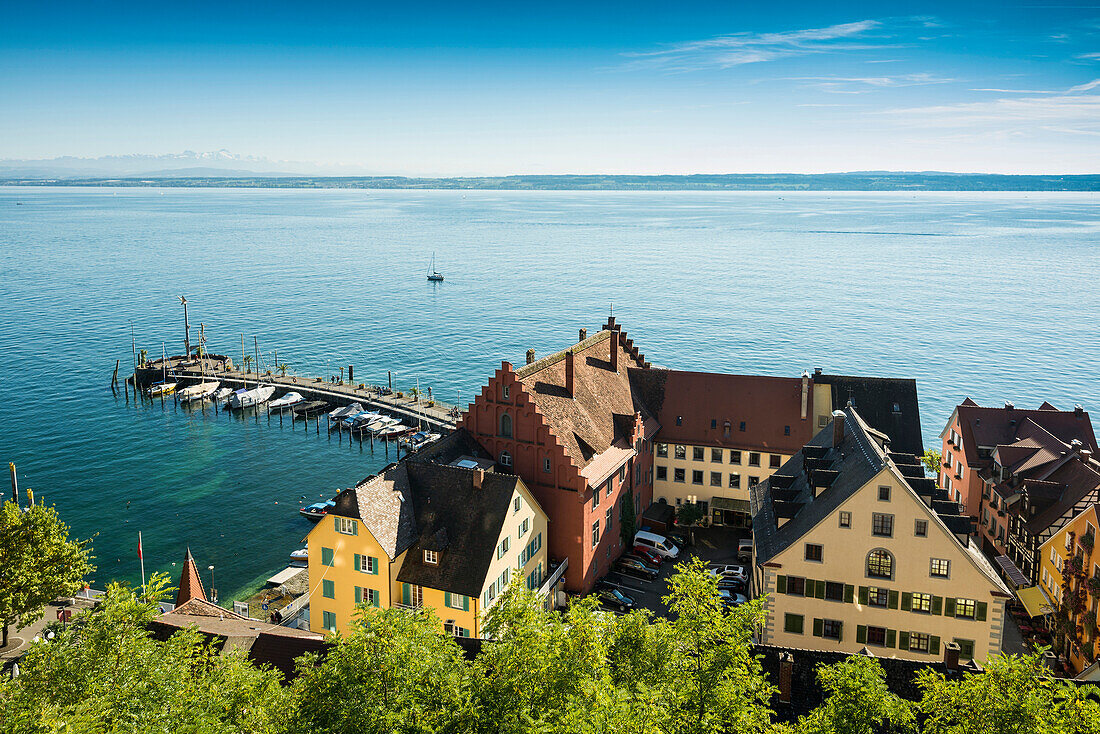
(712, 545)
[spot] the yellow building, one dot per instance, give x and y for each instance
(856, 549)
(446, 536)
(1069, 577)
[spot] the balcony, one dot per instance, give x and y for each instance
(556, 573)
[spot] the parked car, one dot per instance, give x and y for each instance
(679, 537)
(730, 570)
(653, 565)
(744, 550)
(733, 584)
(647, 553)
(660, 545)
(731, 598)
(634, 567)
(615, 599)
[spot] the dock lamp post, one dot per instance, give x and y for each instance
(213, 591)
(186, 329)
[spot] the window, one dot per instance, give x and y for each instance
(831, 628)
(503, 547)
(876, 636)
(374, 597)
(662, 450)
(741, 427)
(347, 526)
(622, 476)
(326, 556)
(716, 456)
(966, 649)
(516, 504)
(678, 475)
(845, 519)
(456, 601)
(328, 589)
(716, 479)
(822, 421)
(367, 564)
(525, 526)
(681, 452)
(504, 390)
(880, 564)
(882, 525)
(966, 608)
(796, 586)
(813, 552)
(735, 457)
(726, 429)
(786, 430)
(884, 494)
(534, 579)
(753, 481)
(918, 642)
(713, 422)
(505, 425)
(679, 420)
(922, 603)
(754, 459)
(697, 453)
(595, 497)
(595, 533)
(696, 476)
(878, 597)
(505, 458)
(608, 519)
(940, 568)
(920, 529)
(735, 481)
(834, 591)
(662, 473)
(431, 557)
(792, 623)
(773, 461)
(546, 465)
(329, 621)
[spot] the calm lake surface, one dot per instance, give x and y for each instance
(989, 295)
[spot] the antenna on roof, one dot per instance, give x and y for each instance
(851, 399)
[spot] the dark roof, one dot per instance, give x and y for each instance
(457, 519)
(686, 403)
(887, 404)
(990, 427)
(382, 502)
(1056, 491)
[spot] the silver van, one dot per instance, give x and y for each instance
(659, 544)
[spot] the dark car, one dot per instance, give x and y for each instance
(615, 599)
(634, 567)
(653, 565)
(646, 553)
(733, 584)
(678, 537)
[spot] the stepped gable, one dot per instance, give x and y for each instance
(190, 585)
(886, 404)
(583, 419)
(384, 503)
(459, 513)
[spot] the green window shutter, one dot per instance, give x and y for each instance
(840, 632)
(374, 565)
(328, 589)
(981, 611)
(891, 638)
(354, 528)
(934, 645)
(326, 556)
(937, 605)
(781, 584)
(406, 594)
(903, 641)
(446, 598)
(849, 593)
(949, 607)
(358, 594)
(906, 602)
(819, 591)
(818, 627)
(861, 634)
(892, 600)
(863, 595)
(336, 524)
(465, 603)
(358, 562)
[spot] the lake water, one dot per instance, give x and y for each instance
(989, 295)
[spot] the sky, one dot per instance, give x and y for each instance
(460, 88)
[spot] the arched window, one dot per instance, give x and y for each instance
(880, 564)
(505, 458)
(506, 425)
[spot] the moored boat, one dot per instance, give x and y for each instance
(317, 510)
(161, 388)
(308, 408)
(245, 398)
(302, 554)
(201, 391)
(222, 394)
(393, 432)
(286, 401)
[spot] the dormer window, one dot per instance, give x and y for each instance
(431, 557)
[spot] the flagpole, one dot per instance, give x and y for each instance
(141, 558)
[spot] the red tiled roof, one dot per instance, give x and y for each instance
(1002, 426)
(190, 586)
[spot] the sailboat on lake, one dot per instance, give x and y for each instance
(434, 275)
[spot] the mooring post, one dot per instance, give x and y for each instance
(14, 484)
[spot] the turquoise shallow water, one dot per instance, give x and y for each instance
(988, 295)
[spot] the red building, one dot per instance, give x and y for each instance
(571, 426)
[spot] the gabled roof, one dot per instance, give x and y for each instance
(991, 427)
(1059, 490)
(886, 404)
(190, 586)
(383, 502)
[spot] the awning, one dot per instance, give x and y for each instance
(1014, 575)
(1035, 601)
(727, 503)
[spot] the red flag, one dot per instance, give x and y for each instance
(140, 558)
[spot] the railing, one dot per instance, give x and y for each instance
(553, 578)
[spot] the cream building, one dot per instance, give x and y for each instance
(856, 549)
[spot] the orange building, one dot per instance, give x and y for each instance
(1070, 579)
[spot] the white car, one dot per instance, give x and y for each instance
(730, 570)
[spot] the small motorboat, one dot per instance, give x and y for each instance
(364, 419)
(376, 428)
(391, 433)
(222, 394)
(286, 401)
(339, 414)
(161, 388)
(302, 554)
(248, 398)
(418, 440)
(198, 392)
(317, 510)
(309, 408)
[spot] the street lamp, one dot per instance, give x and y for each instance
(213, 591)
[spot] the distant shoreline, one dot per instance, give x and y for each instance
(869, 181)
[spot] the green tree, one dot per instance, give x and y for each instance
(38, 562)
(858, 701)
(106, 673)
(1014, 694)
(629, 523)
(394, 672)
(282, 369)
(932, 460)
(689, 513)
(248, 360)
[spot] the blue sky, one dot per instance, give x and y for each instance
(629, 87)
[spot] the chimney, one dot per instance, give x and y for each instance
(786, 672)
(479, 476)
(530, 356)
(817, 372)
(805, 393)
(1009, 406)
(569, 372)
(951, 656)
(582, 335)
(614, 342)
(838, 428)
(1078, 410)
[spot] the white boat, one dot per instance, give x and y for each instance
(339, 414)
(161, 388)
(201, 391)
(434, 275)
(391, 432)
(291, 398)
(376, 428)
(302, 554)
(248, 398)
(222, 394)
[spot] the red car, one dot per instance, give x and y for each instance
(648, 554)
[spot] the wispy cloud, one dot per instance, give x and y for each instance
(735, 49)
(1088, 57)
(863, 84)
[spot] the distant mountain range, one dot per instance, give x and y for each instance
(224, 169)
